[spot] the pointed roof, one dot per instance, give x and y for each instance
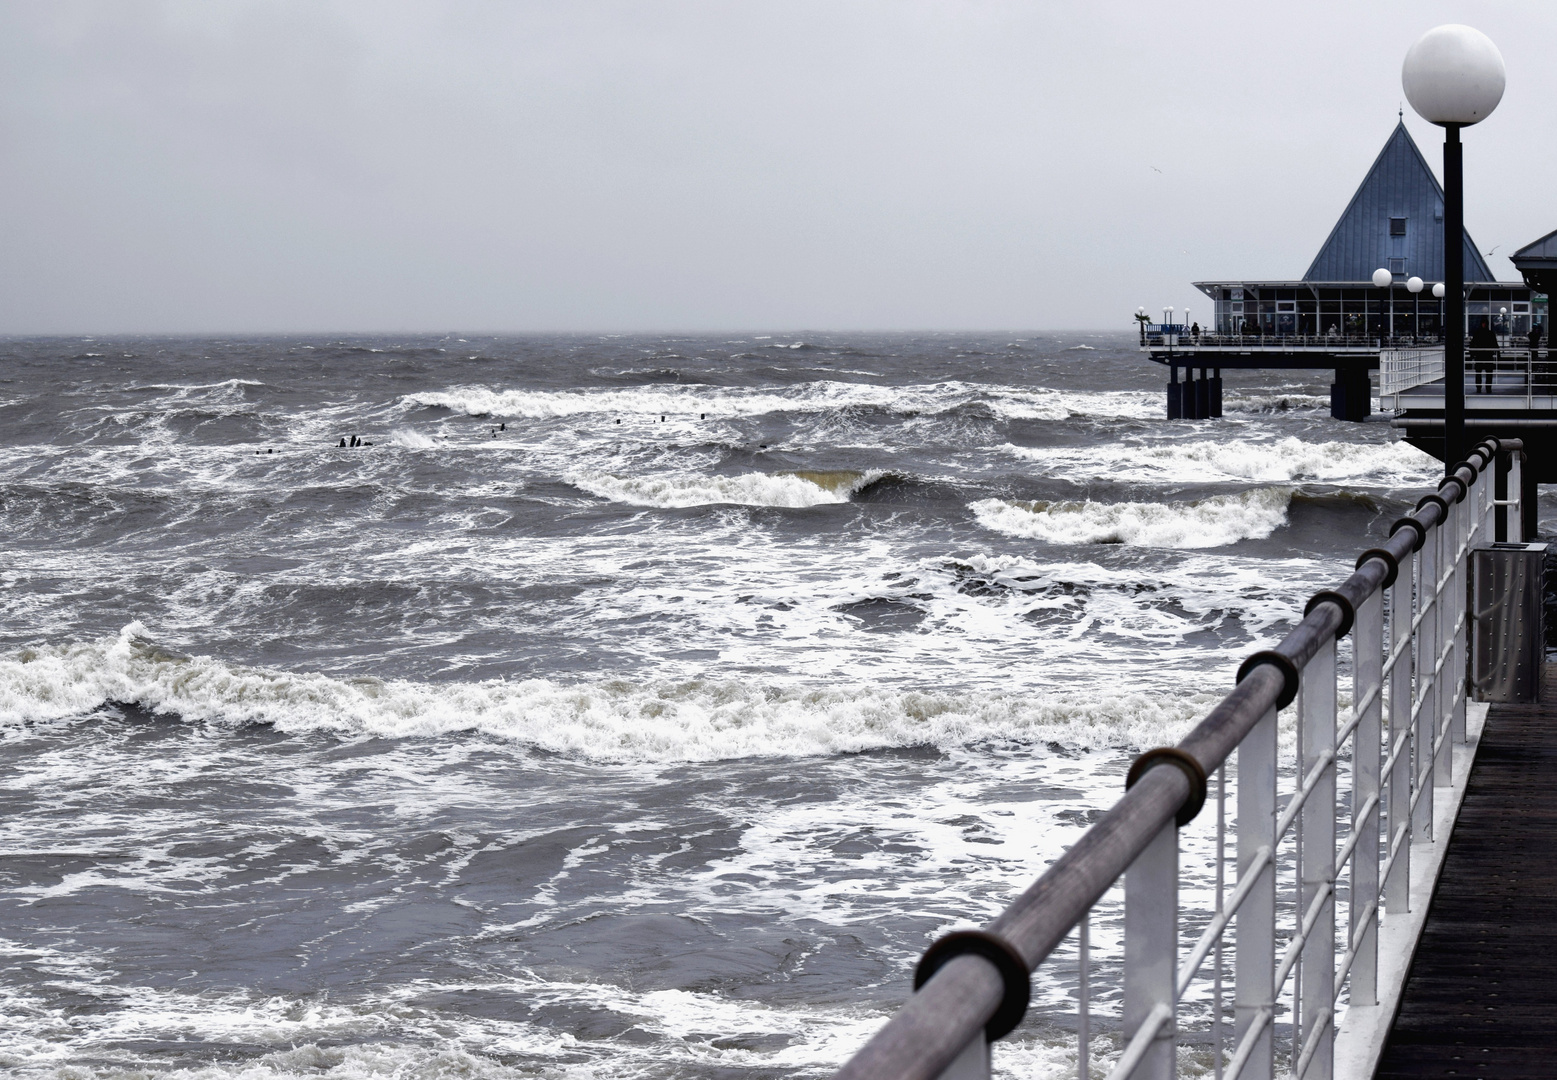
(1542, 251)
(1400, 185)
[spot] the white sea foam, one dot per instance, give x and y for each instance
(411, 439)
(1202, 523)
(797, 489)
(396, 1035)
(695, 720)
(1283, 460)
(722, 402)
(1246, 402)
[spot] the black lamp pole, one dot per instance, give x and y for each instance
(1454, 299)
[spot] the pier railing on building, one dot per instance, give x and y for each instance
(1326, 979)
(1508, 378)
(1158, 338)
(1402, 368)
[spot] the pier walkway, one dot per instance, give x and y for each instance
(1481, 999)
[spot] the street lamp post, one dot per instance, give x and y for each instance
(1454, 77)
(1383, 279)
(1414, 287)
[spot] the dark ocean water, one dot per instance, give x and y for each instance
(625, 707)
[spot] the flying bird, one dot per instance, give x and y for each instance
(1494, 248)
(1155, 169)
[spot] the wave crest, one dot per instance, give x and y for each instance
(794, 490)
(716, 402)
(1203, 523)
(613, 720)
(1286, 460)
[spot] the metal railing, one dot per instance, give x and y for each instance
(1404, 367)
(1532, 375)
(1404, 609)
(1162, 336)
(1510, 372)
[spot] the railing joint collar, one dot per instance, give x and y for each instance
(1340, 600)
(1289, 673)
(1187, 763)
(1438, 501)
(1000, 953)
(1387, 558)
(1416, 526)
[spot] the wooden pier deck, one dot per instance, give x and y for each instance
(1481, 999)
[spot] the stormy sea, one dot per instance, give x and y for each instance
(600, 706)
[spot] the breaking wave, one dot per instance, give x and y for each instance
(1204, 523)
(713, 402)
(697, 720)
(411, 439)
(1275, 403)
(1287, 460)
(788, 489)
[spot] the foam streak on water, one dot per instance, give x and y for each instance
(621, 707)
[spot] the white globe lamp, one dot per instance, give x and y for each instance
(1438, 290)
(1382, 278)
(1414, 284)
(1454, 77)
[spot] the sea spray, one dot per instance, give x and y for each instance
(697, 403)
(610, 720)
(1201, 523)
(1257, 458)
(793, 490)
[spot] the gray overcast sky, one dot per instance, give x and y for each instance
(217, 165)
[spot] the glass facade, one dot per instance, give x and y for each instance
(1352, 310)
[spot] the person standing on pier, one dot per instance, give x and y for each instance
(1483, 352)
(1537, 369)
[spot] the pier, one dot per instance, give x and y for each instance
(1322, 926)
(1517, 398)
(1373, 287)
(1479, 1001)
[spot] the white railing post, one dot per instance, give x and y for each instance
(1151, 951)
(1426, 690)
(1487, 482)
(1397, 887)
(1448, 538)
(1316, 896)
(1254, 999)
(1460, 624)
(1516, 493)
(1367, 679)
(971, 1064)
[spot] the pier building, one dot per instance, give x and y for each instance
(1513, 394)
(1338, 316)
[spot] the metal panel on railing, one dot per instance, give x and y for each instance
(1509, 587)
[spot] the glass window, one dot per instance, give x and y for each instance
(1397, 226)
